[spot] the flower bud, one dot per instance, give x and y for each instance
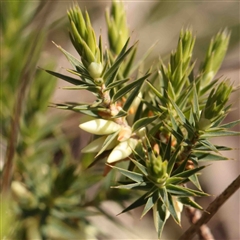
(216, 101)
(100, 127)
(122, 150)
(117, 27)
(215, 55)
(204, 124)
(95, 69)
(157, 169)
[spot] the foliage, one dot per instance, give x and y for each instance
(48, 197)
(169, 136)
(145, 128)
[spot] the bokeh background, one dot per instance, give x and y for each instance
(150, 22)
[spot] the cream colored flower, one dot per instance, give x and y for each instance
(100, 126)
(122, 150)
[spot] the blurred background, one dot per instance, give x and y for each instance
(27, 31)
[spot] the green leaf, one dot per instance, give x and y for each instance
(116, 84)
(181, 168)
(129, 62)
(137, 177)
(192, 117)
(70, 79)
(174, 180)
(170, 91)
(150, 107)
(184, 192)
(231, 124)
(155, 129)
(196, 110)
(220, 118)
(194, 179)
(172, 209)
(173, 160)
(109, 140)
(117, 63)
(183, 99)
(139, 202)
(167, 152)
(204, 148)
(219, 134)
(133, 95)
(208, 87)
(157, 93)
(142, 168)
(159, 217)
(203, 156)
(139, 112)
(94, 89)
(208, 145)
(188, 173)
(182, 117)
(86, 109)
(179, 112)
(74, 61)
(178, 132)
(135, 186)
(139, 153)
(123, 91)
(163, 195)
(150, 203)
(112, 78)
(143, 122)
(189, 202)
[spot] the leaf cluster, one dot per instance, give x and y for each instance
(163, 129)
(47, 199)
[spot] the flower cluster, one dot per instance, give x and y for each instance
(115, 137)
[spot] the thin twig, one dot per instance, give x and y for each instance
(12, 140)
(212, 209)
(194, 215)
(25, 78)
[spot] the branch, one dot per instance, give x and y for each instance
(25, 80)
(212, 209)
(194, 215)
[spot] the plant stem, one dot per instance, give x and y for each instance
(12, 140)
(26, 76)
(194, 215)
(212, 209)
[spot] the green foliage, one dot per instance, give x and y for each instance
(47, 198)
(170, 133)
(156, 135)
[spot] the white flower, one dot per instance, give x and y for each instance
(122, 150)
(100, 127)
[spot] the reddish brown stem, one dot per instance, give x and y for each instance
(212, 209)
